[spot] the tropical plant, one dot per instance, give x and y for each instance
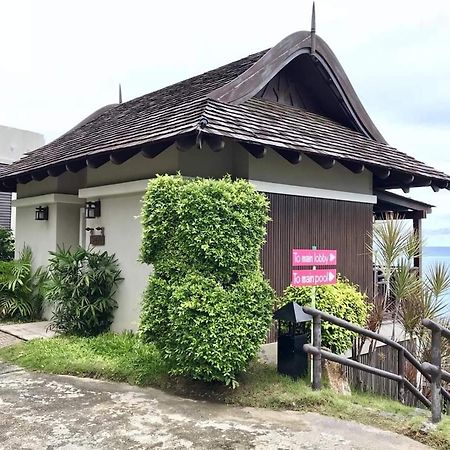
(6, 244)
(414, 297)
(427, 300)
(21, 288)
(81, 288)
(394, 249)
(342, 300)
(207, 307)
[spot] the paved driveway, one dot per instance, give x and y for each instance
(54, 412)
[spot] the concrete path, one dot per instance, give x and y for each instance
(27, 331)
(55, 412)
(6, 339)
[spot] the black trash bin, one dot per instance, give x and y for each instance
(291, 359)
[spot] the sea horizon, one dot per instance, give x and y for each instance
(436, 254)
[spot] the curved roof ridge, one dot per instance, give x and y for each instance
(250, 82)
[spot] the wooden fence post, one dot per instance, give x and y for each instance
(401, 372)
(436, 377)
(317, 358)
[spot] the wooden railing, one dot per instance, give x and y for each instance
(430, 372)
(434, 367)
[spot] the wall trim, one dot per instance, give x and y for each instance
(303, 191)
(110, 190)
(140, 186)
(47, 199)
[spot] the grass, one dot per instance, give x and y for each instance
(117, 357)
(124, 358)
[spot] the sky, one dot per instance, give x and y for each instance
(61, 60)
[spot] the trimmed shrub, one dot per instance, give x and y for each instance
(6, 244)
(342, 300)
(207, 307)
(81, 288)
(21, 288)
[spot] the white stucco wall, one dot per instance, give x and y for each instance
(40, 235)
(15, 142)
(43, 236)
(121, 204)
(276, 169)
(136, 168)
(119, 217)
(67, 183)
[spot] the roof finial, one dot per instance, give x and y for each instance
(120, 93)
(313, 29)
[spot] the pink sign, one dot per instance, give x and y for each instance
(313, 277)
(308, 257)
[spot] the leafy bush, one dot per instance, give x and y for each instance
(81, 288)
(342, 300)
(21, 288)
(6, 244)
(207, 307)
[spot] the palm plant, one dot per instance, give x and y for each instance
(81, 289)
(394, 249)
(426, 300)
(413, 297)
(21, 288)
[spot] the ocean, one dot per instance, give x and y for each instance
(433, 255)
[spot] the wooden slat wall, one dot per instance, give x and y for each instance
(300, 222)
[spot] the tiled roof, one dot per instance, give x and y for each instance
(177, 110)
(161, 114)
(286, 127)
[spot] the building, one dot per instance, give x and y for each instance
(286, 119)
(14, 143)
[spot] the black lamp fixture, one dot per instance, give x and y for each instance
(92, 209)
(41, 213)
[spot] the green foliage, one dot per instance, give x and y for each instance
(207, 307)
(207, 226)
(413, 297)
(204, 330)
(21, 288)
(6, 244)
(81, 288)
(119, 357)
(342, 300)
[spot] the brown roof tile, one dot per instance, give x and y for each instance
(177, 109)
(276, 125)
(161, 114)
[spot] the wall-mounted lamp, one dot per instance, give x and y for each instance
(92, 209)
(41, 213)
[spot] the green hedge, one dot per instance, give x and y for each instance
(343, 300)
(207, 307)
(6, 244)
